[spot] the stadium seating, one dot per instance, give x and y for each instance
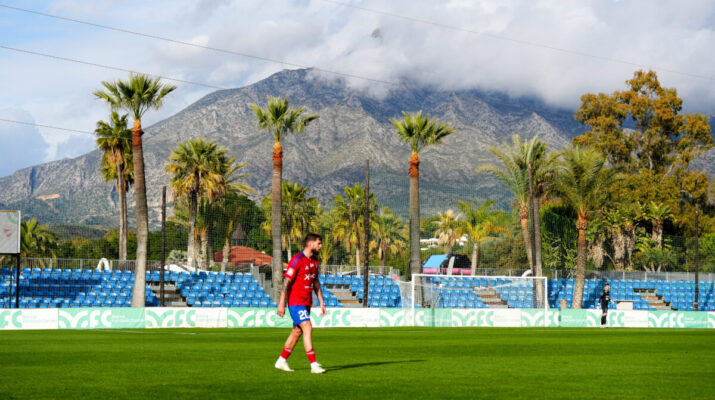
(218, 289)
(53, 288)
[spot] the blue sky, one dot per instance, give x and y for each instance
(666, 35)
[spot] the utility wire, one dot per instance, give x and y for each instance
(513, 40)
(216, 49)
(37, 53)
(45, 126)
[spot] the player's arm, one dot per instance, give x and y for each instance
(319, 292)
(285, 288)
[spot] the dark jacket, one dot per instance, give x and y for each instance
(605, 298)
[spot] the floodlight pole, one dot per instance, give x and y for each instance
(532, 210)
(366, 242)
(697, 262)
(17, 282)
(163, 241)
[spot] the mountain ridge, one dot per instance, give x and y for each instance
(331, 153)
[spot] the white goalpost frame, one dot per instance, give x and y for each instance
(543, 279)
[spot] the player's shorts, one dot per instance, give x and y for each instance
(299, 314)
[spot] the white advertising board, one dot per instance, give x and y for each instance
(9, 232)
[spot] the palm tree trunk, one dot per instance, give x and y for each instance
(357, 256)
(226, 254)
(142, 216)
(657, 234)
(289, 248)
(581, 225)
(524, 216)
(630, 245)
(478, 256)
(210, 243)
(619, 248)
(382, 262)
(415, 254)
(537, 238)
(122, 189)
(205, 248)
(193, 211)
(475, 252)
(276, 202)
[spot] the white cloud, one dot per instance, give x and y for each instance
(21, 145)
(665, 34)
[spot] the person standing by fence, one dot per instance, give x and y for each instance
(605, 299)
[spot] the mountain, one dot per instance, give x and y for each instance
(353, 126)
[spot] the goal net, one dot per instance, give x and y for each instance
(467, 292)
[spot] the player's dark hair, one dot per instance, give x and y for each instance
(311, 237)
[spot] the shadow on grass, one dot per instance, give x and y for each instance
(368, 364)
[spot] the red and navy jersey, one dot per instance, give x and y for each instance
(303, 272)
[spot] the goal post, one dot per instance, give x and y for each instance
(428, 291)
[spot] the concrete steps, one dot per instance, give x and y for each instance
(651, 296)
(172, 294)
(344, 295)
(490, 297)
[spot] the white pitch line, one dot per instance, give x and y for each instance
(144, 332)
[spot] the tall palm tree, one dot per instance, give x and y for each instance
(581, 180)
(389, 235)
(196, 167)
(480, 224)
(280, 120)
(114, 140)
(419, 131)
(137, 96)
(448, 229)
(514, 173)
(350, 214)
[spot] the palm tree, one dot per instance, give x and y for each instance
(232, 208)
(388, 233)
(138, 95)
(299, 214)
(350, 214)
(196, 167)
(480, 225)
(514, 173)
(280, 120)
(326, 251)
(233, 211)
(419, 132)
(36, 240)
(448, 230)
(581, 180)
(658, 214)
(114, 140)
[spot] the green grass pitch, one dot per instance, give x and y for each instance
(384, 363)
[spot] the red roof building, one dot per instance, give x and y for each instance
(244, 255)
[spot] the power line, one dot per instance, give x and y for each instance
(45, 126)
(36, 53)
(216, 49)
(513, 40)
